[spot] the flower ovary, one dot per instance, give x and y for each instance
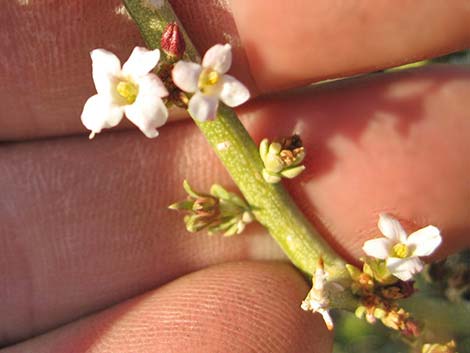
(128, 90)
(401, 251)
(208, 79)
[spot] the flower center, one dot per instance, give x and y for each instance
(208, 80)
(128, 90)
(401, 251)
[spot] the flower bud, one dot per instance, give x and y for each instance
(219, 211)
(172, 41)
(282, 158)
(439, 348)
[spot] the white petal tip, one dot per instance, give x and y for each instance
(202, 107)
(151, 134)
(92, 135)
(234, 93)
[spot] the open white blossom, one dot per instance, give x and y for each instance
(317, 299)
(400, 251)
(132, 90)
(209, 83)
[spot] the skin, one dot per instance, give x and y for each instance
(92, 260)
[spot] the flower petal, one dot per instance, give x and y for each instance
(233, 92)
(391, 228)
(99, 112)
(186, 75)
(141, 62)
(203, 107)
(219, 58)
(378, 248)
(148, 111)
(105, 67)
(425, 240)
(404, 269)
(151, 84)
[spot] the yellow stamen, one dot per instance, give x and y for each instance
(128, 90)
(401, 251)
(208, 79)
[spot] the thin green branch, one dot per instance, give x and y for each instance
(271, 204)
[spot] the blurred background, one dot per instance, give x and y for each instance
(448, 280)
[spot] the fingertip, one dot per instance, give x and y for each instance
(237, 307)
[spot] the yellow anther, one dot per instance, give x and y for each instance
(208, 79)
(401, 251)
(127, 90)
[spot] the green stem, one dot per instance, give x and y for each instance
(272, 206)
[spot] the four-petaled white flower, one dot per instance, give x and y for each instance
(317, 300)
(402, 252)
(132, 90)
(209, 83)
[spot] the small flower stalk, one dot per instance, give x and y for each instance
(282, 159)
(219, 211)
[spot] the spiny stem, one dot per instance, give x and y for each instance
(272, 206)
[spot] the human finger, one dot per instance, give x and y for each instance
(46, 71)
(237, 307)
(98, 230)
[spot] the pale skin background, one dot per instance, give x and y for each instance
(89, 255)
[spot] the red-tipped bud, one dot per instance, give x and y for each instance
(172, 42)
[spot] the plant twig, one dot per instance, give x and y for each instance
(271, 204)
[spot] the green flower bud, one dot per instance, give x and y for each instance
(291, 173)
(378, 270)
(271, 178)
(354, 272)
(360, 311)
(282, 158)
(218, 212)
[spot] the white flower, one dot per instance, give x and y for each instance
(402, 252)
(132, 90)
(209, 83)
(317, 299)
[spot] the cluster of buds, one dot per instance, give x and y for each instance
(449, 347)
(219, 211)
(390, 314)
(378, 292)
(282, 158)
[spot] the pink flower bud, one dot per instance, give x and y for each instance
(172, 42)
